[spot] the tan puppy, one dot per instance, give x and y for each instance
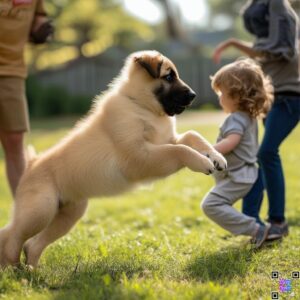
(128, 137)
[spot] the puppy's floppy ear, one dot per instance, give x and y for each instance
(150, 62)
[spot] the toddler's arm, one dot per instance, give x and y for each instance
(227, 144)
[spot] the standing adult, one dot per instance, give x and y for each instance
(20, 21)
(274, 25)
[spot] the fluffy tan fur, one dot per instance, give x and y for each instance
(127, 138)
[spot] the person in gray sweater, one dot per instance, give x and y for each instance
(245, 93)
(274, 25)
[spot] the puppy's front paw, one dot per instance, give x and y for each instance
(218, 160)
(204, 165)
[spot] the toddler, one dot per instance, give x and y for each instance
(245, 94)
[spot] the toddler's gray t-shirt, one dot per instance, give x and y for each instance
(241, 160)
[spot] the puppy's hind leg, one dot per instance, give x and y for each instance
(34, 210)
(4, 234)
(64, 220)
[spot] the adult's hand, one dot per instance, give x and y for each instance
(219, 50)
(41, 29)
(245, 47)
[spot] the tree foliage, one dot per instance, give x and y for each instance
(87, 28)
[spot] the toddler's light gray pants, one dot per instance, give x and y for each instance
(218, 206)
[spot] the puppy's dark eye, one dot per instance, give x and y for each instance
(169, 77)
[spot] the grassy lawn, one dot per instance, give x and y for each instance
(155, 243)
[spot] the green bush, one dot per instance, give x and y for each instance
(54, 100)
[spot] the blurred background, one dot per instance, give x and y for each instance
(93, 37)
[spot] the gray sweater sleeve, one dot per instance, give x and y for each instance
(283, 32)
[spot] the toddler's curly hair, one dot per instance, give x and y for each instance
(245, 82)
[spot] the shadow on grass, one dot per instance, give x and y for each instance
(108, 279)
(221, 266)
(104, 279)
(120, 276)
(95, 285)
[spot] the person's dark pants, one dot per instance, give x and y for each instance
(280, 121)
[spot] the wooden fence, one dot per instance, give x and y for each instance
(90, 76)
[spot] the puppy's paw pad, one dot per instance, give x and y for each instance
(208, 167)
(218, 160)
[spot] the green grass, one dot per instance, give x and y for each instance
(155, 243)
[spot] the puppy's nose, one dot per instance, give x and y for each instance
(191, 95)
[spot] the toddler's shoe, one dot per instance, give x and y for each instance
(277, 231)
(261, 235)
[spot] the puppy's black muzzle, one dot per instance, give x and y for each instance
(183, 102)
(191, 95)
(176, 100)
(186, 98)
